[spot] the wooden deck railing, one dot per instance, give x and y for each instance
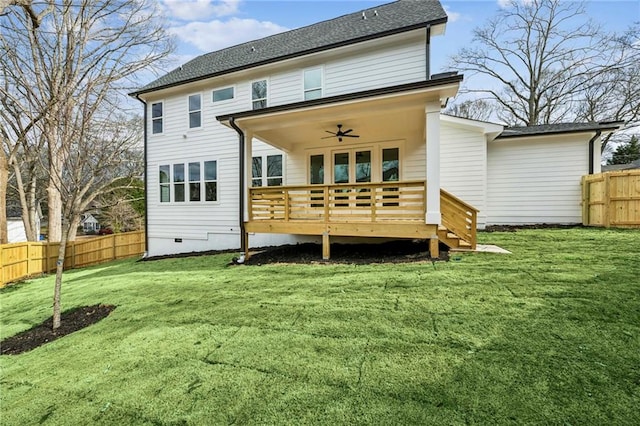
(388, 202)
(459, 217)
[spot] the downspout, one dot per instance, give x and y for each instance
(591, 146)
(145, 177)
(241, 142)
(427, 49)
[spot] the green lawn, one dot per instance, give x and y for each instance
(547, 335)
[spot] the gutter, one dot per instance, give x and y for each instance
(591, 146)
(241, 143)
(146, 193)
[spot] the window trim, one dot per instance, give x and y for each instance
(266, 99)
(264, 178)
(152, 118)
(189, 112)
(232, 87)
(187, 182)
(321, 87)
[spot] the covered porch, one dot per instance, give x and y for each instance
(381, 181)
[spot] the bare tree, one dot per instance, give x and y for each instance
(539, 56)
(29, 8)
(74, 69)
(478, 109)
(617, 94)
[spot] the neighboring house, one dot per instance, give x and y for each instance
(334, 131)
(89, 223)
(15, 226)
(617, 167)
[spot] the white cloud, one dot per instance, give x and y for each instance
(189, 10)
(216, 34)
(453, 16)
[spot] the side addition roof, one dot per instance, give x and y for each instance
(552, 129)
(381, 21)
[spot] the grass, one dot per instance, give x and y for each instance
(547, 335)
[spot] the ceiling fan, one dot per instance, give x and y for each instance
(340, 134)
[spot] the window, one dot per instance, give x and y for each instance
(178, 182)
(156, 117)
(259, 94)
(390, 172)
(220, 95)
(195, 111)
(316, 169)
(312, 84)
(273, 175)
(211, 181)
(256, 171)
(186, 181)
(164, 184)
(194, 182)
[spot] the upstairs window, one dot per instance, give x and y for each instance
(156, 117)
(259, 94)
(195, 111)
(220, 95)
(312, 84)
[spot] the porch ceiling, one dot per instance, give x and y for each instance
(375, 117)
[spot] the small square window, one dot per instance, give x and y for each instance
(223, 94)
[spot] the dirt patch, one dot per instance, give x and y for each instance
(71, 321)
(389, 252)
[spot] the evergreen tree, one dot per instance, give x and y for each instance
(627, 152)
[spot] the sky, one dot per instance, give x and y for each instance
(202, 26)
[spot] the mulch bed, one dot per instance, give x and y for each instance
(71, 321)
(400, 251)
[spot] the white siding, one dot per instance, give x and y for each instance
(214, 225)
(536, 180)
(463, 165)
(388, 67)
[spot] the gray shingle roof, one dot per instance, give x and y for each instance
(391, 18)
(550, 129)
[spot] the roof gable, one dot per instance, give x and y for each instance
(381, 21)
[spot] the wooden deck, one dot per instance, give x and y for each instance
(391, 209)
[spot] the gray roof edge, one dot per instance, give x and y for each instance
(291, 56)
(588, 127)
(345, 97)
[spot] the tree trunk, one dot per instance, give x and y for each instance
(58, 285)
(73, 229)
(25, 208)
(4, 177)
(54, 197)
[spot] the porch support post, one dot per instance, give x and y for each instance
(248, 161)
(432, 112)
(326, 246)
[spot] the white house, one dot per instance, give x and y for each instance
(335, 131)
(16, 232)
(89, 223)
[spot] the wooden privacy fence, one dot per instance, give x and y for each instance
(611, 199)
(21, 260)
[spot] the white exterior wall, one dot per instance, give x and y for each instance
(15, 231)
(463, 165)
(205, 226)
(536, 180)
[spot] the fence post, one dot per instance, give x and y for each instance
(607, 200)
(113, 242)
(1, 266)
(585, 201)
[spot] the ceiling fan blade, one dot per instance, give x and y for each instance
(350, 136)
(329, 137)
(331, 133)
(347, 131)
